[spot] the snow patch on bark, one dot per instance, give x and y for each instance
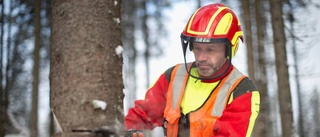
(99, 104)
(119, 50)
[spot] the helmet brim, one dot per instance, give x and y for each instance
(205, 40)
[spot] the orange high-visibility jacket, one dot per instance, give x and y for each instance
(230, 110)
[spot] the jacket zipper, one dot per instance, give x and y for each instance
(186, 124)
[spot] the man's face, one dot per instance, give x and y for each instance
(209, 57)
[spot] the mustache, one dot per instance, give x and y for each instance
(205, 63)
(199, 63)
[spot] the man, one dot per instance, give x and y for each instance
(205, 98)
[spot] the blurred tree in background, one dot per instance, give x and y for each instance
(17, 34)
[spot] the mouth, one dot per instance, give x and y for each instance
(204, 67)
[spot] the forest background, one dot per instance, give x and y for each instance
(151, 44)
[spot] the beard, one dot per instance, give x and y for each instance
(207, 69)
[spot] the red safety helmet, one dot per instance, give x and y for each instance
(213, 23)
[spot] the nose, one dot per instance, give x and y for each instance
(201, 56)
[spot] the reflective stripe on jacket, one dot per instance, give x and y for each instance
(197, 123)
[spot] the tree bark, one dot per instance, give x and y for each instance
(85, 65)
(279, 41)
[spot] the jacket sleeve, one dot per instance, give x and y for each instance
(148, 113)
(239, 117)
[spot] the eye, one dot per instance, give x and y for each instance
(210, 50)
(196, 48)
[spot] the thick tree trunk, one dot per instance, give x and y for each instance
(279, 41)
(85, 65)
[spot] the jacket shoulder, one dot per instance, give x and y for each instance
(246, 85)
(168, 72)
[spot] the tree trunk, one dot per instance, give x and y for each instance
(146, 39)
(2, 106)
(263, 124)
(301, 117)
(315, 102)
(85, 65)
(279, 41)
(8, 79)
(246, 13)
(36, 70)
(128, 24)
